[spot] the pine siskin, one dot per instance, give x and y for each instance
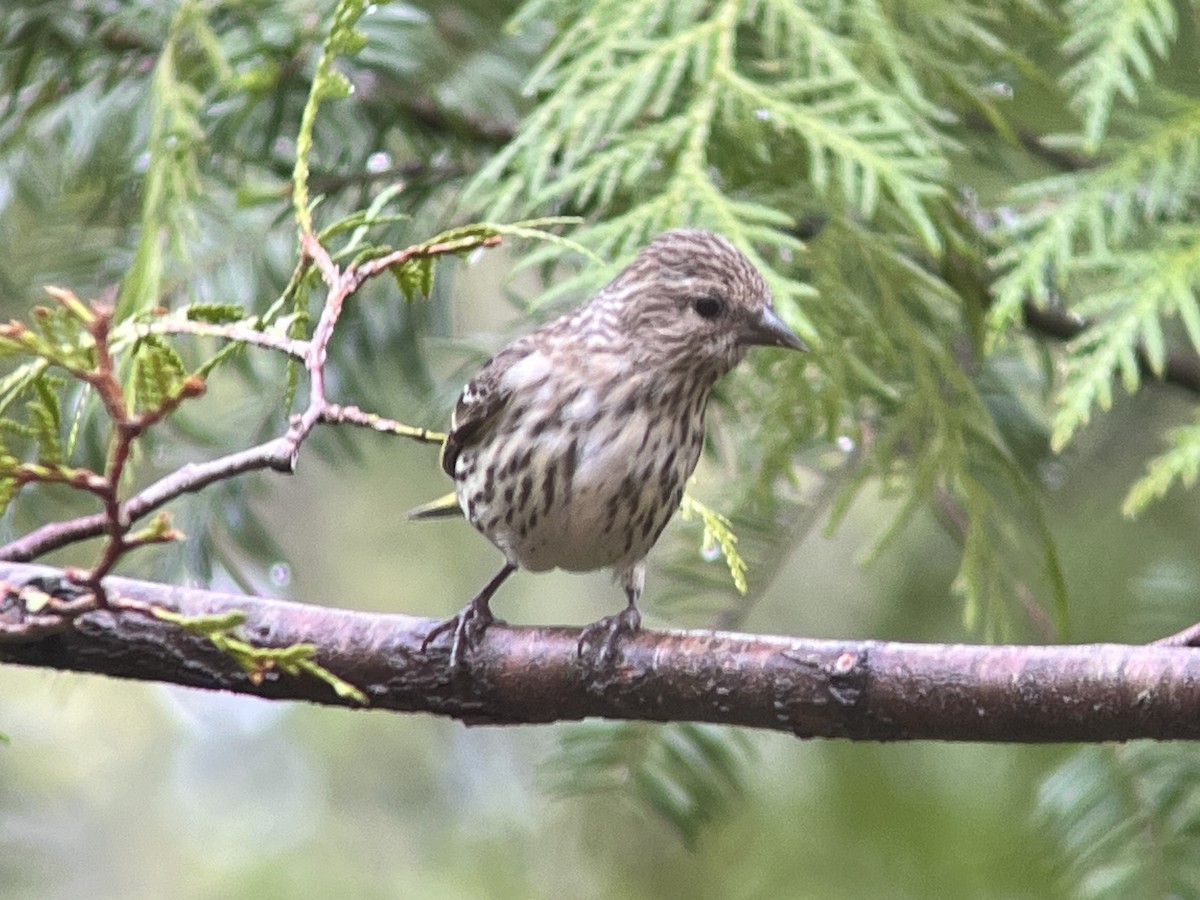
(571, 446)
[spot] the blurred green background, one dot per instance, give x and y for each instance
(152, 145)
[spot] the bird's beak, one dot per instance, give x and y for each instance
(770, 331)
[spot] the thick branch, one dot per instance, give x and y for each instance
(857, 689)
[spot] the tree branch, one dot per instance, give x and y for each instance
(279, 453)
(865, 690)
(1181, 369)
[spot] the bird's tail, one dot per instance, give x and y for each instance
(440, 508)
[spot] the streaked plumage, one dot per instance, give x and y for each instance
(570, 448)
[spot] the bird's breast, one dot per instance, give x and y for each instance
(587, 481)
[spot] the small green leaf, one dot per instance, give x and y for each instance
(203, 626)
(340, 686)
(8, 490)
(718, 537)
(72, 305)
(332, 85)
(1181, 463)
(45, 416)
(214, 313)
(16, 383)
(415, 278)
(159, 531)
(158, 374)
(294, 660)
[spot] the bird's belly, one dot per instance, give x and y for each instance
(585, 498)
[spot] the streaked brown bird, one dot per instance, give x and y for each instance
(571, 446)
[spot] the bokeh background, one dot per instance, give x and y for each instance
(115, 789)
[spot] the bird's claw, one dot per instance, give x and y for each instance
(470, 624)
(467, 627)
(598, 642)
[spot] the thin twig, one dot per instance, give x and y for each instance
(278, 454)
(1189, 637)
(400, 257)
(294, 347)
(1064, 160)
(336, 414)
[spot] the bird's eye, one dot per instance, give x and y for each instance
(708, 307)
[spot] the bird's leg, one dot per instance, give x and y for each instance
(471, 622)
(599, 640)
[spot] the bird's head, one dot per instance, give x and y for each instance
(692, 300)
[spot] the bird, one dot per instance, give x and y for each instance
(571, 446)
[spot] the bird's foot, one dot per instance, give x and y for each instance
(467, 627)
(598, 642)
(470, 624)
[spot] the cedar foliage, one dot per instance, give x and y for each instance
(913, 179)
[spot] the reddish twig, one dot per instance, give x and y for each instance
(128, 426)
(278, 454)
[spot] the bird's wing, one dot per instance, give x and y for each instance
(481, 401)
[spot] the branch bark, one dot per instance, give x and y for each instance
(1181, 368)
(864, 690)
